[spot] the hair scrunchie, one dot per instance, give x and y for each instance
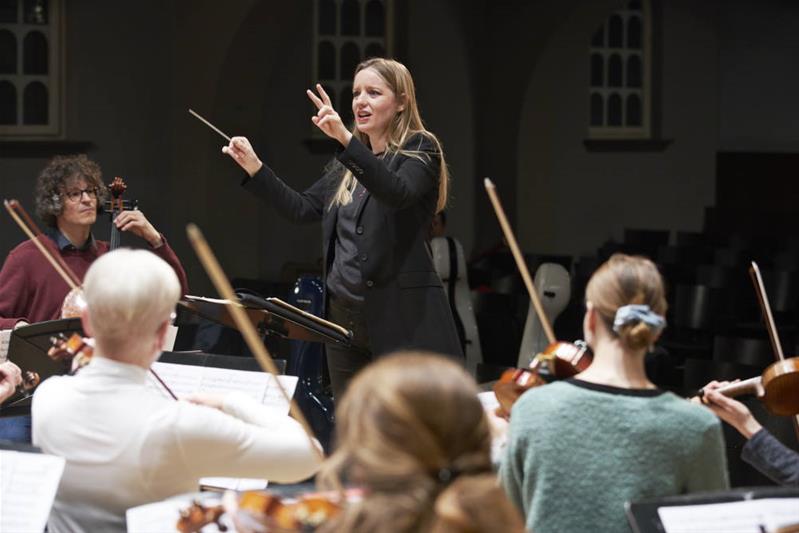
(629, 314)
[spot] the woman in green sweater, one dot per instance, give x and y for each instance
(579, 449)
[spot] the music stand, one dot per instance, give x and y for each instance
(643, 516)
(28, 350)
(271, 316)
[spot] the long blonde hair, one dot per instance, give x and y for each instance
(412, 432)
(405, 124)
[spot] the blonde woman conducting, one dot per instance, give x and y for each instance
(579, 449)
(412, 433)
(375, 202)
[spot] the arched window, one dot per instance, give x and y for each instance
(326, 61)
(8, 52)
(35, 103)
(346, 33)
(619, 91)
(614, 71)
(597, 70)
(350, 17)
(597, 110)
(375, 19)
(350, 57)
(615, 32)
(326, 21)
(634, 74)
(31, 72)
(633, 111)
(35, 53)
(614, 110)
(8, 103)
(8, 11)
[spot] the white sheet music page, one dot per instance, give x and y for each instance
(733, 517)
(184, 380)
(28, 483)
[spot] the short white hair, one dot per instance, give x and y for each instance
(129, 294)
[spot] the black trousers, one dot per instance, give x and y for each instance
(343, 362)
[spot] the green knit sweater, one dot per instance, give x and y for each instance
(578, 451)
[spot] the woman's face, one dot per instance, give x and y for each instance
(374, 104)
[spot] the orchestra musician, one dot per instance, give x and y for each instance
(375, 202)
(762, 449)
(413, 434)
(126, 444)
(579, 449)
(69, 194)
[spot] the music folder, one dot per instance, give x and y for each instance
(270, 315)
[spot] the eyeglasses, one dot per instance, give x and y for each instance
(76, 194)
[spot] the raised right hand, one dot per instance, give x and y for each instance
(241, 151)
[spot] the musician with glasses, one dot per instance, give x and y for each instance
(69, 195)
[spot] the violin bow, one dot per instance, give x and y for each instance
(771, 326)
(16, 211)
(30, 229)
(519, 258)
(220, 281)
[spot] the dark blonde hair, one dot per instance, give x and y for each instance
(54, 178)
(625, 280)
(412, 432)
(405, 124)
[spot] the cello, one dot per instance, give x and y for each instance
(559, 360)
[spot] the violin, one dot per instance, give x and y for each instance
(776, 344)
(75, 349)
(559, 360)
(265, 511)
(776, 387)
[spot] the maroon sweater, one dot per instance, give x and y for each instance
(31, 289)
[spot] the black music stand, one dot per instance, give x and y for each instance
(643, 516)
(270, 316)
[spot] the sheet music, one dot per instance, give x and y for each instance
(232, 483)
(163, 516)
(261, 386)
(188, 379)
(28, 483)
(733, 517)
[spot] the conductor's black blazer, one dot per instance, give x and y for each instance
(405, 303)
